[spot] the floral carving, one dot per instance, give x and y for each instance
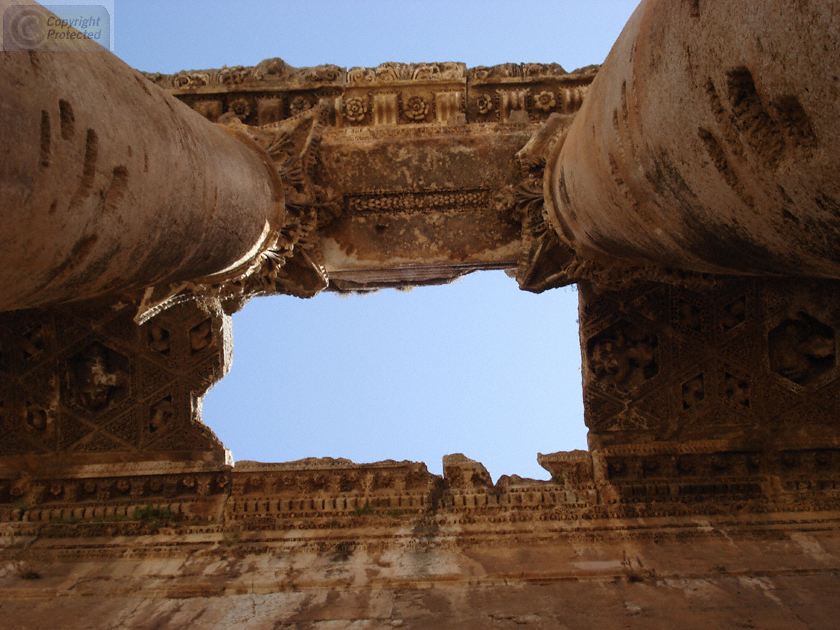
(161, 413)
(416, 109)
(734, 314)
(388, 72)
(274, 68)
(234, 75)
(736, 391)
(33, 341)
(37, 416)
(299, 104)
(201, 335)
(358, 74)
(545, 101)
(326, 72)
(158, 338)
(542, 70)
(485, 104)
(193, 79)
(445, 70)
(392, 71)
(355, 109)
(240, 107)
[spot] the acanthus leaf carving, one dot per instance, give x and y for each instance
(291, 263)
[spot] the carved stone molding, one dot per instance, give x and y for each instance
(390, 94)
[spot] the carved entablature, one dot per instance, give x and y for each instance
(525, 92)
(698, 400)
(468, 485)
(390, 94)
(180, 492)
(718, 476)
(399, 134)
(329, 499)
(266, 495)
(267, 72)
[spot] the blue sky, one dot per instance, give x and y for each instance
(478, 366)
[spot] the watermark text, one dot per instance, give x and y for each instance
(56, 28)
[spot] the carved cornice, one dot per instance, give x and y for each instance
(391, 93)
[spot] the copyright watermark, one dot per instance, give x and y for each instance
(56, 27)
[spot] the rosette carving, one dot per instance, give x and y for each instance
(416, 109)
(545, 101)
(299, 104)
(355, 109)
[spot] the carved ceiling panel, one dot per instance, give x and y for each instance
(88, 385)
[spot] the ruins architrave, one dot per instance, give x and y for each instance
(682, 185)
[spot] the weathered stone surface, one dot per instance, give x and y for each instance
(108, 184)
(709, 496)
(419, 200)
(708, 142)
(517, 562)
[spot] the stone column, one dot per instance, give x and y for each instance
(708, 142)
(109, 184)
